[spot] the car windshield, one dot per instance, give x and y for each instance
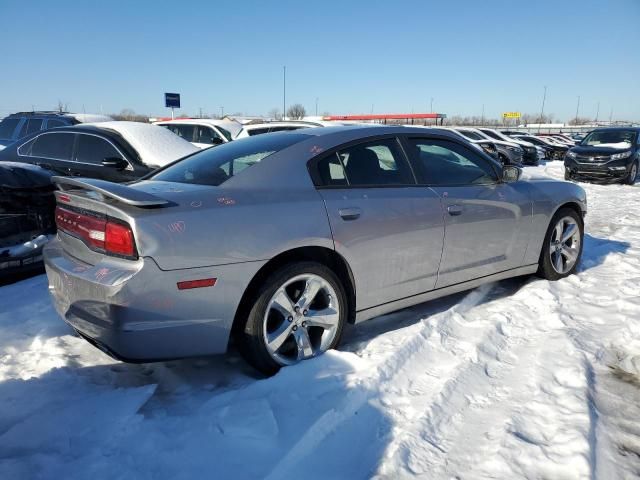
(610, 138)
(216, 165)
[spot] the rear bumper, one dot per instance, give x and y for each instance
(134, 311)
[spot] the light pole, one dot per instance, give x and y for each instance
(610, 115)
(482, 119)
(284, 91)
(597, 113)
(544, 97)
(316, 106)
(221, 112)
(577, 108)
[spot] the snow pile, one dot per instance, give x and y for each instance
(156, 146)
(520, 379)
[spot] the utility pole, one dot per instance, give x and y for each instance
(200, 108)
(316, 106)
(221, 112)
(610, 115)
(597, 113)
(544, 97)
(482, 119)
(284, 91)
(577, 108)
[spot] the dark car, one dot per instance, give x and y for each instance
(605, 155)
(114, 151)
(21, 124)
(27, 220)
(553, 150)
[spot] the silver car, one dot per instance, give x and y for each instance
(280, 240)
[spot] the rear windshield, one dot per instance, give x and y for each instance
(216, 165)
(610, 138)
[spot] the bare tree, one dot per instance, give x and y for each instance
(275, 114)
(129, 115)
(62, 107)
(296, 112)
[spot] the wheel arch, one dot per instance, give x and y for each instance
(323, 255)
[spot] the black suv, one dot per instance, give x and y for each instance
(605, 155)
(19, 125)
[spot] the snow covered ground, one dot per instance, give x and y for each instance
(518, 379)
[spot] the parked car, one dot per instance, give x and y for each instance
(530, 156)
(203, 132)
(252, 129)
(114, 151)
(26, 216)
(509, 153)
(554, 150)
(19, 125)
(605, 155)
(282, 239)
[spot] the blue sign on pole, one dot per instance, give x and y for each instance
(172, 100)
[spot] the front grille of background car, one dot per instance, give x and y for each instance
(592, 159)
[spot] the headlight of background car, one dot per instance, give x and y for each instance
(571, 154)
(620, 156)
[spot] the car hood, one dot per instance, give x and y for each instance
(593, 150)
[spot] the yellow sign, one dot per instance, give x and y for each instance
(511, 115)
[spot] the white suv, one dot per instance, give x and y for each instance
(250, 130)
(203, 132)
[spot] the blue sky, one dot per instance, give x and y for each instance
(351, 55)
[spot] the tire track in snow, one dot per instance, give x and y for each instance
(415, 340)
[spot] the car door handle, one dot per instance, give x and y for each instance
(351, 213)
(454, 210)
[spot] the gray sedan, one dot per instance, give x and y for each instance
(282, 239)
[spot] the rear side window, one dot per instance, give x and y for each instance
(57, 146)
(214, 166)
(371, 164)
(257, 131)
(441, 162)
(186, 132)
(7, 127)
(31, 125)
(92, 149)
(53, 123)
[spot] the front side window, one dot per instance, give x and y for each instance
(214, 166)
(7, 127)
(92, 149)
(57, 146)
(441, 162)
(493, 135)
(207, 135)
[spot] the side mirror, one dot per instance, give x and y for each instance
(115, 162)
(510, 174)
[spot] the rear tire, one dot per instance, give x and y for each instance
(561, 251)
(276, 333)
(633, 174)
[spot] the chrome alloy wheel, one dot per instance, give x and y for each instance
(564, 247)
(301, 320)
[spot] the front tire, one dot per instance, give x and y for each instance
(633, 174)
(298, 313)
(562, 247)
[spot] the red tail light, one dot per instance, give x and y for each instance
(100, 234)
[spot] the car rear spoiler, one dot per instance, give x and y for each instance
(117, 191)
